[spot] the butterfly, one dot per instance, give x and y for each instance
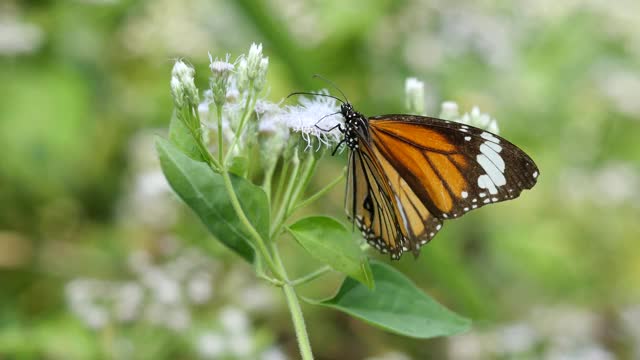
(407, 174)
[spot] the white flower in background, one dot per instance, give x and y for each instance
(161, 294)
(515, 338)
(257, 297)
(98, 302)
(621, 86)
(479, 120)
(559, 332)
(130, 296)
(449, 111)
(86, 300)
(392, 355)
(415, 103)
(613, 184)
(211, 345)
(234, 320)
(415, 96)
(199, 289)
(241, 345)
(178, 318)
(17, 38)
(316, 119)
(273, 353)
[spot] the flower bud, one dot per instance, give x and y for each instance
(253, 61)
(415, 98)
(221, 71)
(183, 88)
(261, 79)
(449, 110)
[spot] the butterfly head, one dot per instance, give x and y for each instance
(355, 125)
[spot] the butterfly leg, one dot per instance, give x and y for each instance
(338, 146)
(339, 126)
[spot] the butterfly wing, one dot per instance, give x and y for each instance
(368, 204)
(451, 168)
(388, 212)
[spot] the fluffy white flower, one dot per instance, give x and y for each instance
(316, 118)
(220, 67)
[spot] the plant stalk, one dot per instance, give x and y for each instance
(294, 308)
(252, 230)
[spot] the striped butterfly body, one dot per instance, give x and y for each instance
(407, 174)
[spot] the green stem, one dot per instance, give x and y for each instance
(280, 187)
(294, 308)
(220, 150)
(310, 166)
(268, 176)
(243, 120)
(286, 198)
(298, 322)
(194, 129)
(318, 194)
(311, 276)
(252, 231)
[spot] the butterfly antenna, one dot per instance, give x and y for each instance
(314, 94)
(332, 84)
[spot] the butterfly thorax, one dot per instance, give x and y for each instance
(356, 126)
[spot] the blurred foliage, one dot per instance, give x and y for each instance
(85, 84)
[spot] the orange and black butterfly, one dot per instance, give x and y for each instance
(409, 173)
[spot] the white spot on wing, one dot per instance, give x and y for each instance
(493, 155)
(494, 146)
(490, 137)
(467, 138)
(464, 194)
(535, 174)
(402, 213)
(484, 182)
(495, 175)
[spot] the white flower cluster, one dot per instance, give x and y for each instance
(551, 333)
(449, 111)
(416, 104)
(415, 96)
(236, 89)
(160, 294)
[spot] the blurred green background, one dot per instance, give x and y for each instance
(99, 260)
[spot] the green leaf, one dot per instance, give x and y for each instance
(182, 138)
(329, 242)
(239, 165)
(396, 305)
(203, 190)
